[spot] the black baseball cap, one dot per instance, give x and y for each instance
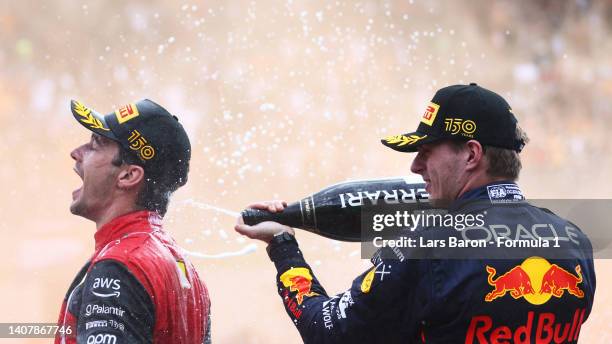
(468, 112)
(147, 130)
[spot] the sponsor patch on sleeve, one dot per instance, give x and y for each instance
(299, 281)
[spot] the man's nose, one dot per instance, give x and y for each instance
(417, 165)
(77, 153)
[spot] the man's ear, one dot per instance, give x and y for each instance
(475, 155)
(130, 176)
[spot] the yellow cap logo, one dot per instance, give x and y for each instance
(460, 126)
(126, 113)
(87, 117)
(430, 113)
(140, 144)
(402, 140)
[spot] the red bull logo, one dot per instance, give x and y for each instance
(516, 281)
(299, 281)
(537, 328)
(535, 280)
(556, 280)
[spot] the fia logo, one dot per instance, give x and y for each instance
(497, 192)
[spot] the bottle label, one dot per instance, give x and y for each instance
(307, 208)
(394, 196)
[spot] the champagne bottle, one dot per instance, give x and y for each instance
(335, 212)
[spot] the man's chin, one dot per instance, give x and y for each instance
(76, 208)
(81, 209)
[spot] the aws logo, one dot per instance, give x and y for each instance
(106, 283)
(536, 280)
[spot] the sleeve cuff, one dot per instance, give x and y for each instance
(283, 250)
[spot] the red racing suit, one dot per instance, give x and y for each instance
(136, 288)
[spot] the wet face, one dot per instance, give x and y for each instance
(442, 166)
(93, 163)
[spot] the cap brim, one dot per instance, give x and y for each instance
(91, 119)
(408, 142)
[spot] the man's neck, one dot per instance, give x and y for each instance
(113, 212)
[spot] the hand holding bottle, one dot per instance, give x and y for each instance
(265, 230)
(335, 212)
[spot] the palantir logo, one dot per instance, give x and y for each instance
(106, 283)
(102, 338)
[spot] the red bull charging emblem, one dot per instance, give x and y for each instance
(299, 281)
(535, 280)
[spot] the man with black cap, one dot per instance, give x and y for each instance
(137, 287)
(468, 144)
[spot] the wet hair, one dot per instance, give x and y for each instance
(157, 188)
(503, 163)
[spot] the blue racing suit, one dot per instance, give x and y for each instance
(402, 299)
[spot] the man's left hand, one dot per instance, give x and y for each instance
(266, 230)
